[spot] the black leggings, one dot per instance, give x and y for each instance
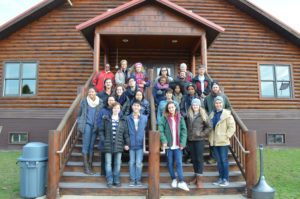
(197, 149)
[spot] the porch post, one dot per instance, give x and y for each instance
(204, 50)
(96, 51)
(193, 63)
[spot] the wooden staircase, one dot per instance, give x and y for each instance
(74, 182)
(65, 163)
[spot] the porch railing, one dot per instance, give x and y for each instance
(243, 148)
(61, 142)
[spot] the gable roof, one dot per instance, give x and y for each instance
(87, 28)
(48, 5)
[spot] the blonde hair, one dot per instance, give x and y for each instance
(123, 61)
(132, 69)
(201, 111)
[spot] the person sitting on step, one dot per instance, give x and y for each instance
(114, 136)
(87, 125)
(136, 126)
(173, 136)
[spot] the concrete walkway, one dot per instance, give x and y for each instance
(163, 197)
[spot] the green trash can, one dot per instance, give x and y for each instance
(33, 170)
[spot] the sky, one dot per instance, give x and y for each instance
(286, 11)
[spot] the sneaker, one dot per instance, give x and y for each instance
(211, 161)
(139, 183)
(109, 184)
(117, 184)
(174, 183)
(219, 181)
(224, 183)
(132, 183)
(183, 186)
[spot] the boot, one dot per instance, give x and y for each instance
(194, 181)
(90, 161)
(199, 182)
(86, 164)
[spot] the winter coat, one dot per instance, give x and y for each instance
(130, 93)
(139, 78)
(161, 107)
(198, 129)
(210, 106)
(186, 103)
(104, 96)
(159, 94)
(120, 77)
(166, 134)
(136, 137)
(207, 86)
(125, 105)
(82, 114)
(99, 78)
(122, 136)
(224, 129)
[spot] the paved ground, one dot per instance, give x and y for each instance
(164, 197)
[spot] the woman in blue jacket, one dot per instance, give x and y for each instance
(136, 126)
(145, 106)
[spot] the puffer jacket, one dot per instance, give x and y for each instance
(122, 136)
(82, 112)
(198, 129)
(120, 77)
(224, 129)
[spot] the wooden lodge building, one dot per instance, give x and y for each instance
(49, 54)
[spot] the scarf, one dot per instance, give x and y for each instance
(121, 99)
(177, 119)
(165, 86)
(216, 118)
(92, 103)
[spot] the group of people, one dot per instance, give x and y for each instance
(189, 110)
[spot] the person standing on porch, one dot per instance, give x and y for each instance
(202, 82)
(183, 68)
(173, 136)
(87, 124)
(114, 136)
(136, 125)
(199, 127)
(138, 72)
(101, 76)
(121, 77)
(219, 138)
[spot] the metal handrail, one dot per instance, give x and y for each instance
(240, 144)
(68, 138)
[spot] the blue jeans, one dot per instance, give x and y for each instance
(136, 164)
(221, 153)
(88, 139)
(177, 153)
(108, 167)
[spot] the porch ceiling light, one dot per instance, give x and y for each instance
(125, 40)
(174, 41)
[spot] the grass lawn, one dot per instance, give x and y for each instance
(282, 172)
(9, 175)
(281, 167)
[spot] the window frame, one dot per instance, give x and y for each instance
(276, 144)
(21, 62)
(18, 143)
(292, 90)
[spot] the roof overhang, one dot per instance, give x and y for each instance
(87, 28)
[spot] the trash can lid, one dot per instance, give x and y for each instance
(34, 151)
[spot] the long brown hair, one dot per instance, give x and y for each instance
(166, 110)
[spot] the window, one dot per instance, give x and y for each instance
(275, 138)
(18, 138)
(275, 81)
(20, 78)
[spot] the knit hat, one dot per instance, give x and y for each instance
(218, 98)
(197, 101)
(215, 83)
